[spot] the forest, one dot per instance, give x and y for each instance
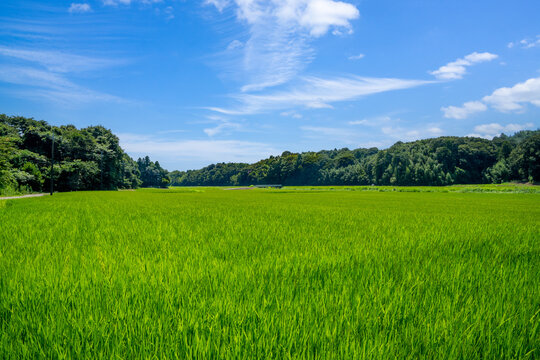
(434, 162)
(92, 159)
(83, 159)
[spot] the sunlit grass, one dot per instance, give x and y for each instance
(207, 273)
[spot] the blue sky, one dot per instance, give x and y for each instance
(197, 82)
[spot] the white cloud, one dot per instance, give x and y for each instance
(116, 2)
(456, 69)
(128, 2)
(514, 98)
(476, 58)
(435, 131)
(59, 62)
(315, 16)
(235, 44)
(489, 131)
(359, 122)
(357, 57)
(292, 114)
(463, 112)
(224, 126)
(375, 121)
(391, 131)
(50, 86)
(342, 135)
(194, 153)
(79, 8)
(506, 99)
(280, 32)
(168, 12)
(219, 4)
(407, 134)
(273, 55)
(46, 76)
(315, 92)
(526, 43)
(319, 15)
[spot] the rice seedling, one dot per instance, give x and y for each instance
(298, 273)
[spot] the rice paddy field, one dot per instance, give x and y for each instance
(442, 273)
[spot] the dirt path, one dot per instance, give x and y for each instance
(21, 197)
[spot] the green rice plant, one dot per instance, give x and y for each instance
(291, 273)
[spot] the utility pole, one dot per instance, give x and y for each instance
(52, 164)
(123, 173)
(101, 172)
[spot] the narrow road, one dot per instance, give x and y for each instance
(21, 197)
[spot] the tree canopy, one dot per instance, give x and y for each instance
(437, 161)
(92, 159)
(84, 159)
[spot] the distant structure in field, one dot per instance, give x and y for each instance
(274, 186)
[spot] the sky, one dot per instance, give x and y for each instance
(195, 82)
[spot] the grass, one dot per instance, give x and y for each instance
(207, 273)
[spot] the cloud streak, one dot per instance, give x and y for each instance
(457, 69)
(526, 43)
(79, 8)
(315, 92)
(50, 86)
(194, 153)
(354, 136)
(44, 75)
(59, 62)
(357, 57)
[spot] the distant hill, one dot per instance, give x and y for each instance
(438, 161)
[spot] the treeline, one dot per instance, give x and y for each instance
(84, 159)
(92, 159)
(438, 161)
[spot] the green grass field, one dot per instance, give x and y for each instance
(291, 273)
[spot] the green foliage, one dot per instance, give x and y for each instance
(525, 159)
(259, 274)
(152, 174)
(85, 159)
(431, 162)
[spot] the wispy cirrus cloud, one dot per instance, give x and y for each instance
(457, 69)
(129, 2)
(219, 4)
(44, 74)
(392, 130)
(340, 135)
(79, 8)
(526, 43)
(357, 57)
(194, 152)
(411, 134)
(52, 87)
(280, 32)
(60, 62)
(315, 92)
(505, 99)
(224, 126)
